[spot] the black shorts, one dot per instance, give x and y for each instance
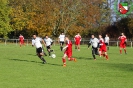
(106, 44)
(62, 43)
(48, 47)
(39, 50)
(95, 51)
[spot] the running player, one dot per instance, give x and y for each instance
(67, 51)
(48, 42)
(122, 44)
(21, 40)
(107, 41)
(94, 42)
(102, 48)
(77, 39)
(61, 40)
(37, 43)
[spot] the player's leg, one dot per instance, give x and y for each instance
(100, 52)
(70, 58)
(61, 46)
(93, 53)
(48, 49)
(64, 60)
(106, 55)
(20, 43)
(78, 46)
(108, 46)
(121, 46)
(40, 54)
(124, 47)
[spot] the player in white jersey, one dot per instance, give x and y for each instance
(107, 41)
(61, 40)
(48, 42)
(37, 43)
(94, 42)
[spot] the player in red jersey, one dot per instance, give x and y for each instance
(102, 48)
(21, 40)
(122, 44)
(77, 39)
(67, 51)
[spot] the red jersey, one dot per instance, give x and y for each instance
(122, 39)
(68, 51)
(77, 38)
(21, 38)
(102, 45)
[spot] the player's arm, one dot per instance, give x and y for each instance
(89, 44)
(51, 41)
(43, 42)
(80, 38)
(65, 47)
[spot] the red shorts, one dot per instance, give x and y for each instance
(122, 45)
(77, 42)
(21, 42)
(103, 49)
(68, 53)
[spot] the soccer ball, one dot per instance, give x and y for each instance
(53, 56)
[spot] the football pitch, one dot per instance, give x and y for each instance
(21, 68)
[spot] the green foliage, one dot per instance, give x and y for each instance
(4, 18)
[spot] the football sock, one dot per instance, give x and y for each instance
(108, 48)
(94, 56)
(71, 59)
(125, 50)
(106, 57)
(49, 53)
(120, 51)
(41, 57)
(61, 48)
(64, 61)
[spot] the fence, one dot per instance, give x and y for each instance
(83, 42)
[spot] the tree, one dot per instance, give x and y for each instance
(4, 18)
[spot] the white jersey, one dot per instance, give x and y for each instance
(33, 41)
(62, 38)
(106, 39)
(48, 41)
(94, 42)
(37, 42)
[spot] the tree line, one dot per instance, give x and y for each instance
(51, 17)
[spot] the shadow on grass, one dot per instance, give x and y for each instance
(25, 60)
(118, 66)
(34, 62)
(54, 64)
(84, 58)
(32, 54)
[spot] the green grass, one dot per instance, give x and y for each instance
(21, 68)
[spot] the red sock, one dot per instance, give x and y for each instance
(120, 51)
(125, 50)
(64, 60)
(103, 55)
(106, 56)
(71, 59)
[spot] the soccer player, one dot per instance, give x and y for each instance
(94, 42)
(48, 42)
(77, 40)
(107, 41)
(21, 40)
(67, 52)
(61, 40)
(37, 43)
(102, 48)
(122, 44)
